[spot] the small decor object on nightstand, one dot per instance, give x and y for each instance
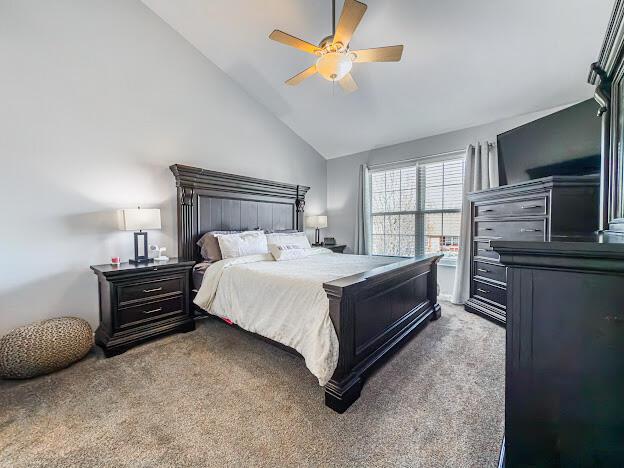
(318, 223)
(329, 241)
(159, 255)
(138, 219)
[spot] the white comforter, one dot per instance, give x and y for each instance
(284, 301)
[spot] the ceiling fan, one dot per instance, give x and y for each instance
(335, 59)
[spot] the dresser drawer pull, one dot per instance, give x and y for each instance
(488, 229)
(152, 311)
(488, 210)
(530, 207)
(152, 290)
(483, 290)
(483, 270)
(530, 230)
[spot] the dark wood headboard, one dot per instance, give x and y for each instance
(215, 201)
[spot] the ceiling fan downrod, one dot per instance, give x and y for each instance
(333, 18)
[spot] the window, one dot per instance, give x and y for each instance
(416, 210)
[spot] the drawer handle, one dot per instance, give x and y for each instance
(483, 290)
(483, 270)
(530, 230)
(488, 229)
(530, 207)
(488, 210)
(152, 311)
(152, 290)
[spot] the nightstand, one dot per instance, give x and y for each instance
(337, 248)
(140, 302)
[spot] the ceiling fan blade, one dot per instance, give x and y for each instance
(299, 77)
(379, 54)
(351, 15)
(292, 41)
(348, 84)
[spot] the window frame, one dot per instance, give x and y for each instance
(419, 214)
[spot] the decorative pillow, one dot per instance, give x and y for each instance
(288, 251)
(243, 243)
(295, 238)
(209, 245)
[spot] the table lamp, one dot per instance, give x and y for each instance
(318, 223)
(139, 219)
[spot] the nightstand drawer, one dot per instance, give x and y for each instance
(156, 310)
(148, 290)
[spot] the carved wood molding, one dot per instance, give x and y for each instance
(196, 178)
(601, 71)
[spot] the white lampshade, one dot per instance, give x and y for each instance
(138, 219)
(317, 222)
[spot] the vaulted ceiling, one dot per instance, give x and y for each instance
(465, 63)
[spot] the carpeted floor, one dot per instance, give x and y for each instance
(219, 397)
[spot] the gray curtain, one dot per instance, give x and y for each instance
(362, 216)
(480, 173)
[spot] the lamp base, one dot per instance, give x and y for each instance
(140, 259)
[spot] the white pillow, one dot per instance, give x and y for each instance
(293, 238)
(242, 243)
(288, 251)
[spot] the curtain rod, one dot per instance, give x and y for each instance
(420, 158)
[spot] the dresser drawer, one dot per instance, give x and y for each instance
(489, 293)
(148, 289)
(533, 206)
(521, 230)
(147, 312)
(489, 271)
(483, 249)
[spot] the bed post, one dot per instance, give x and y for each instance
(373, 313)
(186, 246)
(300, 206)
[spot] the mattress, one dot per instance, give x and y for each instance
(284, 301)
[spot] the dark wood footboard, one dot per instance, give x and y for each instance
(373, 313)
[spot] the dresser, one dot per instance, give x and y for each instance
(529, 211)
(564, 378)
(141, 302)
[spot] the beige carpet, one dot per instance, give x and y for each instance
(219, 397)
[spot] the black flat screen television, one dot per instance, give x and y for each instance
(564, 143)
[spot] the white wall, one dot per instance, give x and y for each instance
(342, 176)
(98, 98)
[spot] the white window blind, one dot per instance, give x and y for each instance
(416, 210)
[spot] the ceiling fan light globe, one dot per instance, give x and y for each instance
(334, 66)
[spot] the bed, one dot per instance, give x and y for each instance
(377, 305)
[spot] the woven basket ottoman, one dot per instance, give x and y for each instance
(44, 347)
